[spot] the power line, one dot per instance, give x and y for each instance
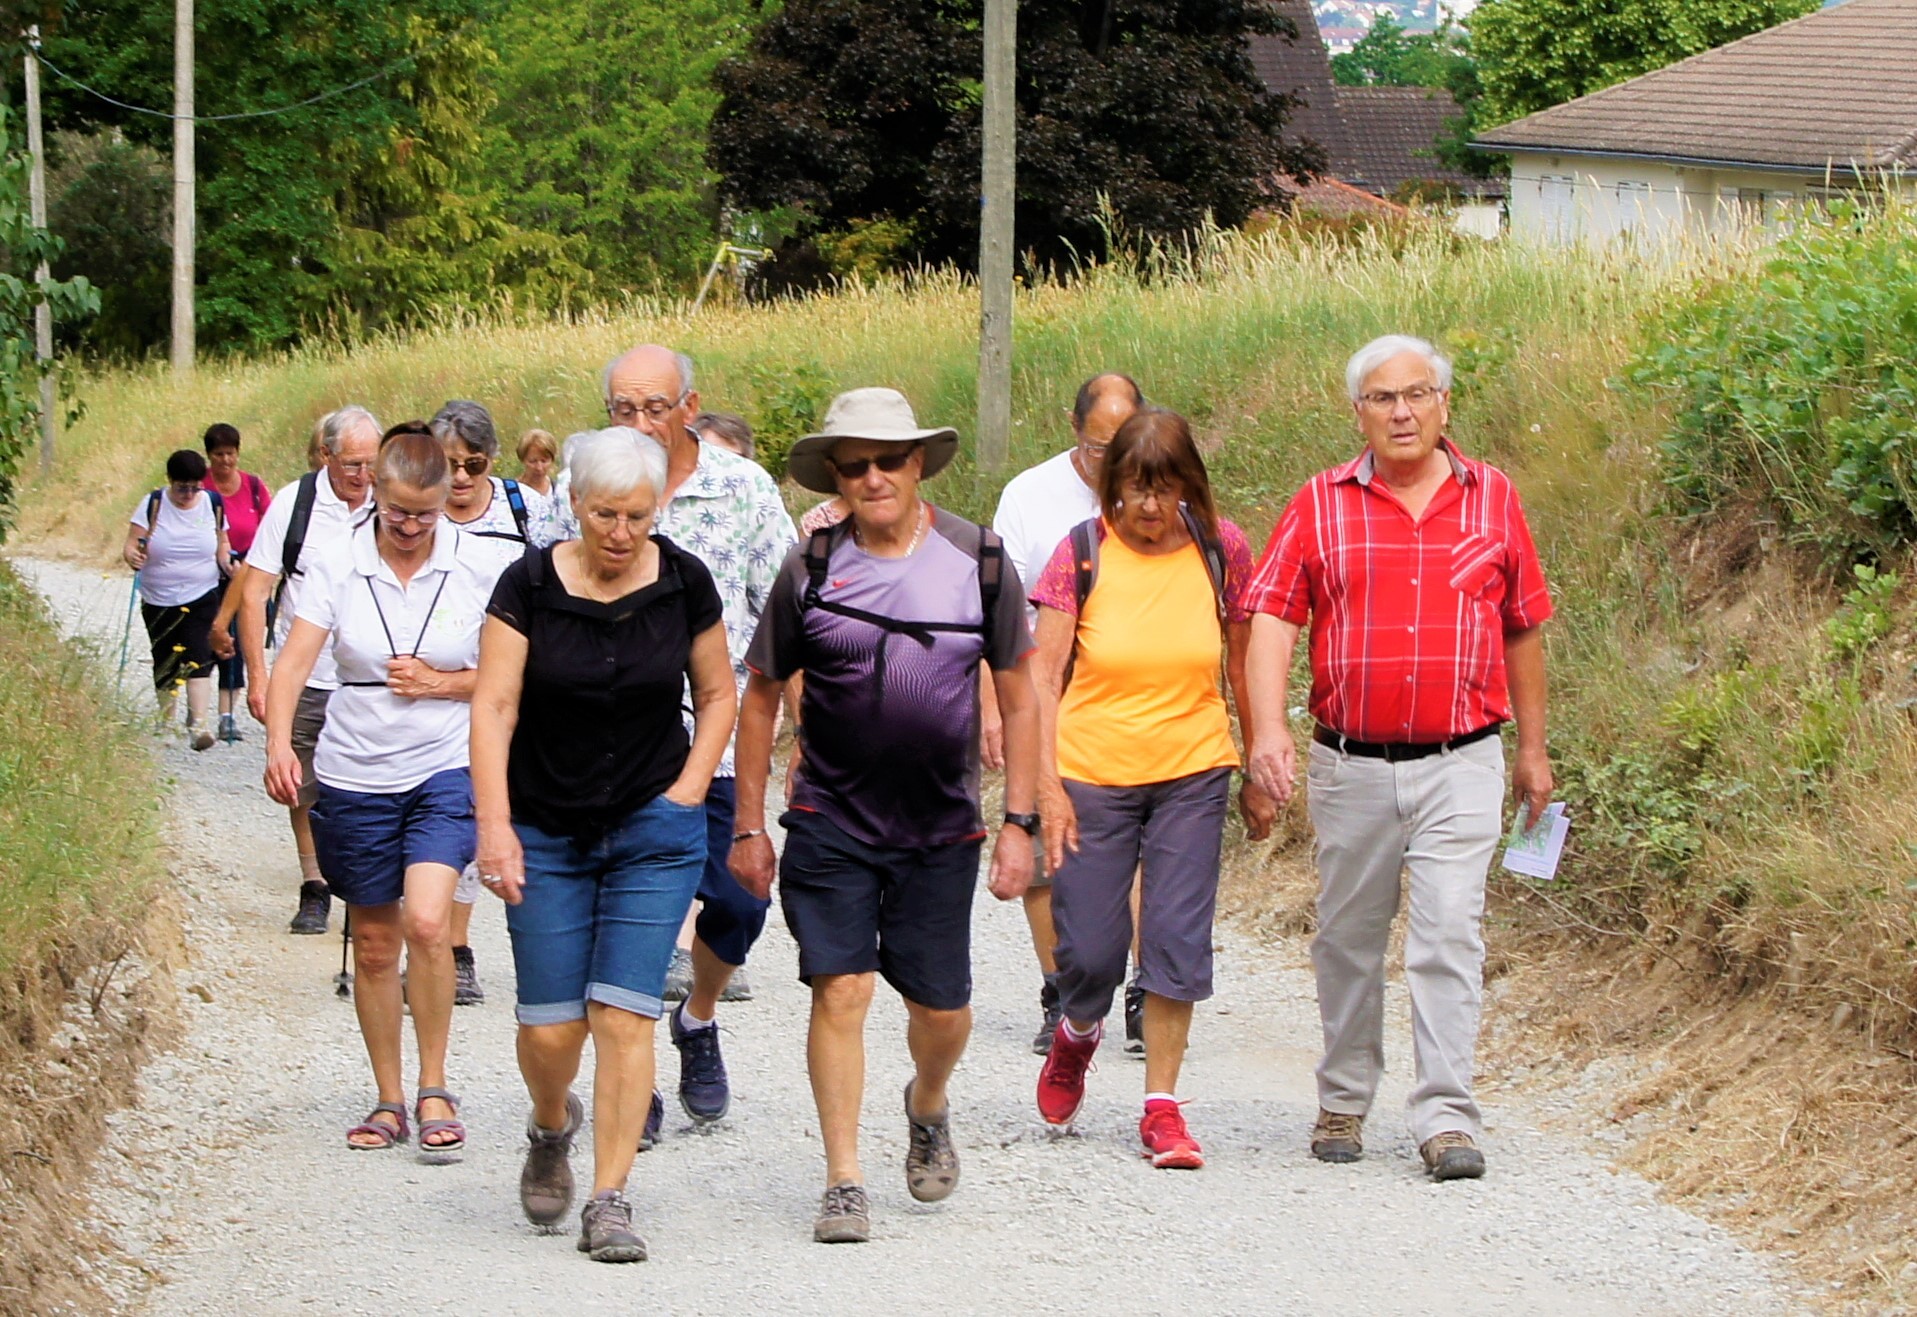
(393, 67)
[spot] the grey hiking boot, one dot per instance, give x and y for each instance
(1452, 1155)
(605, 1229)
(678, 976)
(844, 1216)
(466, 989)
(1134, 1019)
(931, 1162)
(1338, 1137)
(545, 1181)
(738, 987)
(1052, 1012)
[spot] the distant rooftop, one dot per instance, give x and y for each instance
(1836, 88)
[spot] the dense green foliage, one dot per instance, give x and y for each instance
(1792, 387)
(866, 112)
(598, 130)
(110, 202)
(1533, 54)
(22, 249)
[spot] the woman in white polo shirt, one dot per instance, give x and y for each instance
(176, 541)
(400, 602)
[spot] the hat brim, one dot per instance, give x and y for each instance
(807, 463)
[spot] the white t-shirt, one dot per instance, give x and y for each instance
(182, 552)
(1038, 509)
(332, 521)
(374, 740)
(495, 535)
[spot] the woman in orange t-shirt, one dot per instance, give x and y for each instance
(1137, 758)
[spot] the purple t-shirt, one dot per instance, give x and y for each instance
(891, 718)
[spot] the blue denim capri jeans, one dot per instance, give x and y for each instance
(598, 918)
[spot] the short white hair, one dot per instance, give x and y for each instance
(680, 360)
(1380, 350)
(571, 446)
(613, 462)
(335, 426)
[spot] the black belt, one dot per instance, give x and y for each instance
(1394, 752)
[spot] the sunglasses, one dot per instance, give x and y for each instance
(890, 463)
(472, 466)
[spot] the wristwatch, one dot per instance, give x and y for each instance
(1029, 822)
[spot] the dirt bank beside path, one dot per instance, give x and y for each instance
(230, 1190)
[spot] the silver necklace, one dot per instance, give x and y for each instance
(918, 536)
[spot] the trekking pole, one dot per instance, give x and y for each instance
(126, 632)
(343, 981)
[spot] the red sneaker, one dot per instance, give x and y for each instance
(1061, 1082)
(1168, 1143)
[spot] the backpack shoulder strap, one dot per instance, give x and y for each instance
(257, 491)
(1213, 552)
(1084, 537)
(818, 557)
(303, 498)
(152, 510)
(516, 504)
(536, 567)
(991, 574)
(219, 509)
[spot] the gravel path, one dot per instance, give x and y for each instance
(230, 1185)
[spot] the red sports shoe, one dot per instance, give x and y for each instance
(1061, 1082)
(1168, 1143)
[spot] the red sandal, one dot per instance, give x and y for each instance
(428, 1128)
(387, 1135)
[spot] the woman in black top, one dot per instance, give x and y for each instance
(590, 804)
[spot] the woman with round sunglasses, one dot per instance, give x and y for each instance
(400, 603)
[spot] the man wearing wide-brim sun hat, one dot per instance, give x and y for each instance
(889, 615)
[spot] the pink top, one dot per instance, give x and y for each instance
(244, 510)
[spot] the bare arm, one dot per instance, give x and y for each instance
(1011, 871)
(751, 860)
(255, 590)
(991, 724)
(133, 552)
(223, 553)
(302, 651)
(1273, 757)
(1524, 671)
(715, 705)
(413, 679)
(1057, 631)
(500, 677)
(1256, 804)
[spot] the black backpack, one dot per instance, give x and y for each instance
(295, 538)
(988, 551)
(154, 496)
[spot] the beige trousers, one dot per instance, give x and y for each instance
(1436, 818)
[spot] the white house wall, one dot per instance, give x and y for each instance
(1598, 200)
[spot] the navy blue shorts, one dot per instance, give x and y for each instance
(854, 908)
(366, 840)
(731, 918)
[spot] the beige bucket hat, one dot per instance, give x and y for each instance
(881, 415)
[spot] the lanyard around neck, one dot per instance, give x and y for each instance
(430, 608)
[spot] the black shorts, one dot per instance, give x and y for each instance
(854, 908)
(182, 639)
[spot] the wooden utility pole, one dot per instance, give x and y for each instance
(183, 226)
(37, 211)
(996, 195)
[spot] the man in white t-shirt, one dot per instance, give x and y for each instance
(336, 503)
(1038, 508)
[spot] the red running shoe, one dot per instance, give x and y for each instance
(1061, 1082)
(1168, 1143)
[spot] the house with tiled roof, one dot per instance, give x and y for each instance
(1730, 139)
(1375, 140)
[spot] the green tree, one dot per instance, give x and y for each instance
(598, 133)
(849, 111)
(110, 201)
(1533, 54)
(1389, 55)
(362, 209)
(24, 248)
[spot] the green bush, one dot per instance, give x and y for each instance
(788, 403)
(1793, 385)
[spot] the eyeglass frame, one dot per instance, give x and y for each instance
(466, 464)
(606, 519)
(890, 463)
(1385, 401)
(393, 516)
(646, 408)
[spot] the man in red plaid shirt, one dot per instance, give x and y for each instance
(1414, 568)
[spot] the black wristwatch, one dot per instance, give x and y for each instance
(1029, 822)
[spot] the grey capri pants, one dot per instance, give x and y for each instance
(1174, 830)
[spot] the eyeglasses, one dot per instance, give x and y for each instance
(858, 466)
(352, 468)
(1419, 396)
(1092, 452)
(654, 409)
(184, 488)
(472, 466)
(399, 517)
(605, 519)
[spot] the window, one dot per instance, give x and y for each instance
(1633, 207)
(1556, 197)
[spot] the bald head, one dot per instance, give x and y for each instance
(1104, 403)
(650, 389)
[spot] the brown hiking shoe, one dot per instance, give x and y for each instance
(1452, 1155)
(844, 1216)
(1338, 1137)
(605, 1229)
(545, 1180)
(931, 1162)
